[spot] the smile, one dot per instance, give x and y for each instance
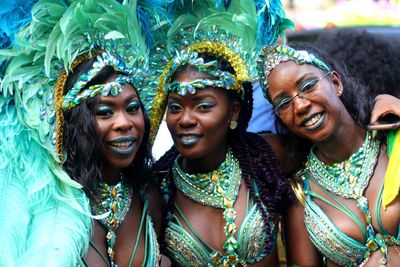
(314, 122)
(123, 146)
(188, 139)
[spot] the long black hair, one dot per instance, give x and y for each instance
(261, 171)
(80, 137)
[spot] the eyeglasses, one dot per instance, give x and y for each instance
(306, 89)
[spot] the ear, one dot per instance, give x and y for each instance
(235, 111)
(337, 83)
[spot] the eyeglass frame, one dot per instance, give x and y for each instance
(301, 93)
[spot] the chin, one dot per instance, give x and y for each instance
(189, 153)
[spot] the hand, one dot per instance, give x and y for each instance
(386, 113)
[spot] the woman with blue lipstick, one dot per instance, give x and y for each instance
(107, 151)
(76, 100)
(347, 181)
(224, 192)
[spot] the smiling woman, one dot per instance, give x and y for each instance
(351, 216)
(108, 153)
(77, 109)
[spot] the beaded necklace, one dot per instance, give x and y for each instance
(113, 200)
(218, 189)
(349, 179)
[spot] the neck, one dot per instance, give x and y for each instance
(342, 144)
(111, 176)
(207, 163)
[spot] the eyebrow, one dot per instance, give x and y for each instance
(297, 82)
(196, 98)
(110, 102)
(201, 97)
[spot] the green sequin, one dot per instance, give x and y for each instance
(218, 189)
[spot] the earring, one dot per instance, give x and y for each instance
(339, 92)
(233, 125)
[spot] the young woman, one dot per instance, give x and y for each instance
(223, 189)
(107, 152)
(347, 180)
(76, 109)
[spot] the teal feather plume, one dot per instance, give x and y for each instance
(36, 225)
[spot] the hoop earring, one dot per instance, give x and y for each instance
(233, 125)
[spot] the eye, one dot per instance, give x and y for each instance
(174, 107)
(308, 85)
(284, 103)
(104, 111)
(133, 107)
(205, 106)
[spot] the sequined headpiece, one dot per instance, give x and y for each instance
(77, 94)
(272, 56)
(230, 32)
(56, 42)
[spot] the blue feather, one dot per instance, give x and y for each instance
(146, 10)
(226, 3)
(272, 21)
(13, 15)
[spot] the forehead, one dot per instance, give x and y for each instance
(190, 74)
(292, 69)
(215, 93)
(287, 75)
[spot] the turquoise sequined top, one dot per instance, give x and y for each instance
(186, 248)
(330, 240)
(152, 253)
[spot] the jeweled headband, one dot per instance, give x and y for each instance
(78, 93)
(189, 55)
(221, 79)
(272, 56)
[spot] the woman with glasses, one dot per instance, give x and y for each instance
(347, 179)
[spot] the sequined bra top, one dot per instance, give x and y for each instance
(330, 240)
(186, 248)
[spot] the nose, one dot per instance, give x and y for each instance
(123, 122)
(186, 120)
(301, 105)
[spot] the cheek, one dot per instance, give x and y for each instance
(171, 120)
(140, 126)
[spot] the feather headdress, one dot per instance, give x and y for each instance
(44, 216)
(234, 30)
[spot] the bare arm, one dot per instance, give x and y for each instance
(386, 113)
(299, 249)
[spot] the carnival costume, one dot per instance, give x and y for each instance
(226, 30)
(45, 216)
(347, 179)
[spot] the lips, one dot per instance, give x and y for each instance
(189, 139)
(314, 121)
(123, 146)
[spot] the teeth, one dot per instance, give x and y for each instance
(188, 138)
(121, 144)
(313, 120)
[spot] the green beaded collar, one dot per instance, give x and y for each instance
(218, 189)
(350, 177)
(210, 188)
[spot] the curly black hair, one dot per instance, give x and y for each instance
(80, 138)
(262, 173)
(369, 57)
